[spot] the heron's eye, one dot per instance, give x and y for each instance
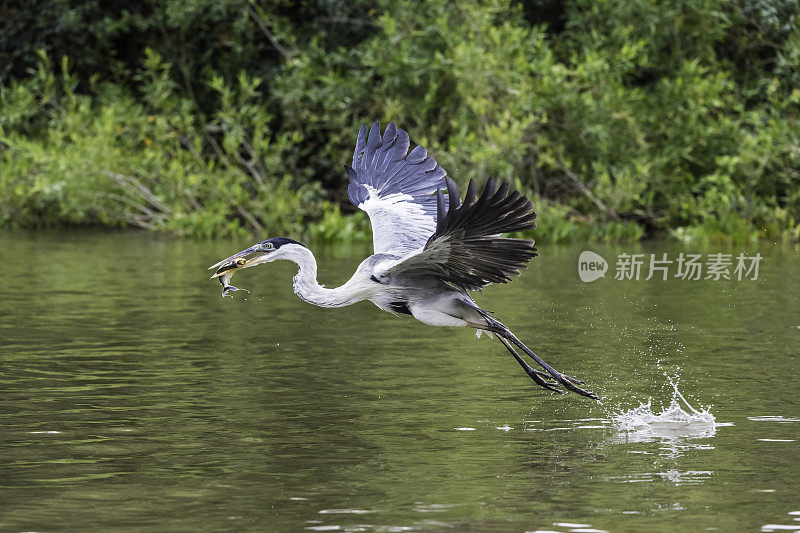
(268, 246)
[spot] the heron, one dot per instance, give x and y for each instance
(431, 249)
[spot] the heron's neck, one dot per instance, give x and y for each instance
(306, 285)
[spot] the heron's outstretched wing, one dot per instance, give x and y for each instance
(396, 188)
(467, 250)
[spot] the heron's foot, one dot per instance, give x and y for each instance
(540, 377)
(576, 381)
(572, 384)
(568, 382)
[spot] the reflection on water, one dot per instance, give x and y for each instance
(571, 527)
(133, 396)
(772, 528)
(689, 477)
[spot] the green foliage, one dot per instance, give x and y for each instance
(108, 158)
(620, 118)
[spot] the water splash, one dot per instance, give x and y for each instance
(643, 424)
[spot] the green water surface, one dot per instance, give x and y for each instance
(134, 397)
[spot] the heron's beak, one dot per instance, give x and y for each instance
(237, 261)
(230, 259)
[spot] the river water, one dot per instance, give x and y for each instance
(132, 396)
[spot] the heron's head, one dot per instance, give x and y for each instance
(263, 252)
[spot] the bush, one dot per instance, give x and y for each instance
(622, 119)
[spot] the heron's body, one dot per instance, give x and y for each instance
(429, 252)
(428, 300)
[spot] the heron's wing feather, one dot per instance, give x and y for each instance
(467, 250)
(397, 189)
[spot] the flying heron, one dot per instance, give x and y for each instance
(429, 252)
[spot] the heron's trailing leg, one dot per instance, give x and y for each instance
(505, 335)
(568, 382)
(537, 376)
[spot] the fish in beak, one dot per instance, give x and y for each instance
(226, 268)
(226, 272)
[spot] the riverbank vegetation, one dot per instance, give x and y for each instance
(621, 119)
